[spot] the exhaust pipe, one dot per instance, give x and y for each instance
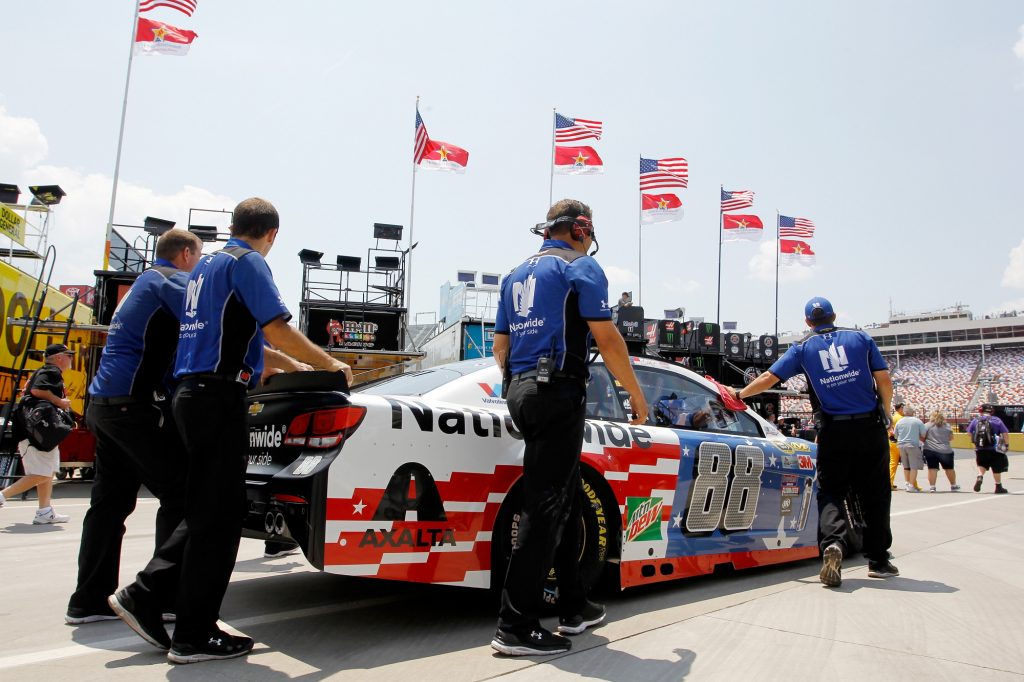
(279, 524)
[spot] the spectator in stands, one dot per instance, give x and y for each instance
(894, 449)
(909, 434)
(938, 450)
(987, 433)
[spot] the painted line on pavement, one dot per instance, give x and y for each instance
(987, 498)
(32, 503)
(133, 642)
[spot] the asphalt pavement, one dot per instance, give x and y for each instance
(956, 612)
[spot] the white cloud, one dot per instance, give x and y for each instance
(619, 280)
(677, 285)
(1018, 48)
(762, 266)
(1013, 276)
(22, 143)
(79, 225)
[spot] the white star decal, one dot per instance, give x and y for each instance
(772, 460)
(686, 451)
(792, 523)
(358, 508)
(677, 520)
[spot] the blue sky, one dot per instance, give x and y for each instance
(896, 127)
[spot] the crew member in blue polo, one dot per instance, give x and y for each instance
(850, 384)
(232, 307)
(550, 308)
(129, 413)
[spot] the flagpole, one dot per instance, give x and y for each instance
(640, 248)
(551, 167)
(120, 140)
(718, 308)
(412, 216)
(778, 243)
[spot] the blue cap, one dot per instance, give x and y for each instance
(818, 309)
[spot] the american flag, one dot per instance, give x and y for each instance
(655, 173)
(795, 228)
(186, 7)
(733, 201)
(573, 129)
(420, 143)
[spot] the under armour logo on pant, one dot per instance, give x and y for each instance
(215, 641)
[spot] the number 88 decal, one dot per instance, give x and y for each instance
(710, 488)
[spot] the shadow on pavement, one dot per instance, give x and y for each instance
(602, 663)
(32, 529)
(898, 584)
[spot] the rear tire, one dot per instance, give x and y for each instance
(596, 538)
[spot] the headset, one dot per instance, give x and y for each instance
(582, 227)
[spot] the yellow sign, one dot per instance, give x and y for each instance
(12, 225)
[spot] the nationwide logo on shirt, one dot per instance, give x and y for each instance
(522, 296)
(833, 359)
(192, 296)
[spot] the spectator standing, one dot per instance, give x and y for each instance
(45, 384)
(129, 412)
(987, 433)
(938, 451)
(894, 448)
(909, 434)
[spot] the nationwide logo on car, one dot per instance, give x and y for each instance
(644, 514)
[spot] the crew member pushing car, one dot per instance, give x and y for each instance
(129, 412)
(550, 307)
(231, 305)
(851, 382)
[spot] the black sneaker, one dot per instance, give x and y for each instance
(1000, 490)
(591, 614)
(882, 569)
(832, 566)
(80, 616)
(977, 484)
(217, 647)
(149, 625)
(535, 641)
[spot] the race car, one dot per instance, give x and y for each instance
(417, 477)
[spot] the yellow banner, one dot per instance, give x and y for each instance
(12, 225)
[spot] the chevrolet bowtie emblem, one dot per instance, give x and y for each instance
(255, 409)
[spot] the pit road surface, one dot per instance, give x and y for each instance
(956, 612)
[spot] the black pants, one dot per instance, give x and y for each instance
(136, 444)
(211, 417)
(853, 455)
(550, 417)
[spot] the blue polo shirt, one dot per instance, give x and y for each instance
(230, 297)
(143, 336)
(838, 364)
(545, 305)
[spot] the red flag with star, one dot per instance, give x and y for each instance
(660, 208)
(577, 161)
(736, 227)
(444, 156)
(156, 37)
(795, 252)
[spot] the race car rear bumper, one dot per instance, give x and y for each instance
(291, 509)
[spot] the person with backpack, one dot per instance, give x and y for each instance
(45, 385)
(987, 433)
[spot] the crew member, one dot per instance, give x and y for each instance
(231, 306)
(851, 382)
(551, 305)
(129, 412)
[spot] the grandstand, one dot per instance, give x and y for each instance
(945, 360)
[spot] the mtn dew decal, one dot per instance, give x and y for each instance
(644, 514)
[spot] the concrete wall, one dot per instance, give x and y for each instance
(963, 440)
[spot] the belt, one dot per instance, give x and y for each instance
(117, 400)
(850, 417)
(240, 378)
(557, 374)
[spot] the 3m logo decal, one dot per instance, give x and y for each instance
(644, 514)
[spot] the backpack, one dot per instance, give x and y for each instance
(984, 437)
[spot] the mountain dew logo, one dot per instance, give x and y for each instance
(644, 514)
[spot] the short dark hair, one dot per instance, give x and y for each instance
(173, 242)
(567, 207)
(254, 218)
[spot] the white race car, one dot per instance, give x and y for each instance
(417, 477)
